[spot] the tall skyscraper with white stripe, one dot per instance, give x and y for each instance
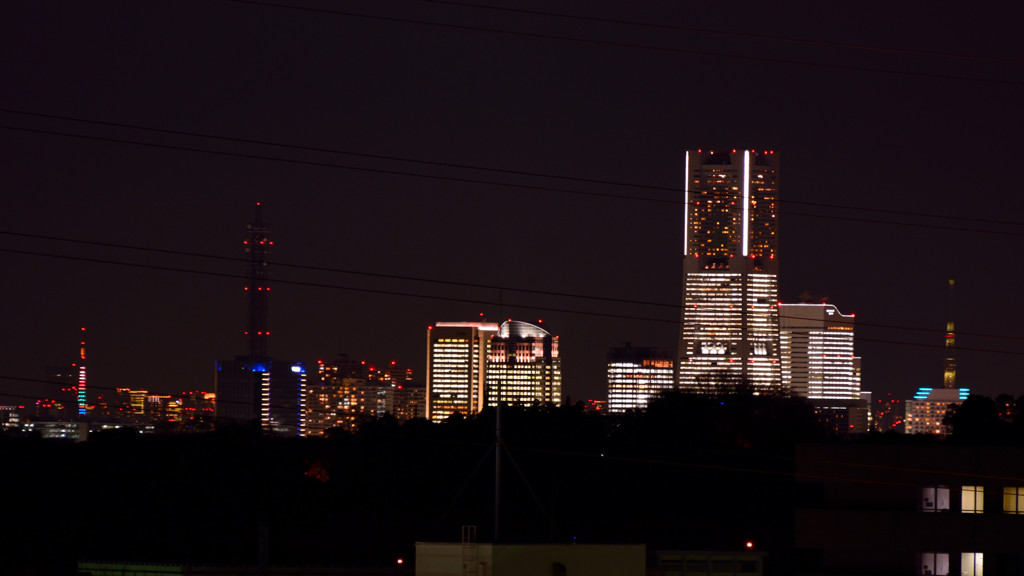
(729, 325)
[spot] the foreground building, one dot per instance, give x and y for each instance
(925, 509)
(459, 559)
(729, 325)
(635, 375)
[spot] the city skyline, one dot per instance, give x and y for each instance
(891, 134)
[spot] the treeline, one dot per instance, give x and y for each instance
(690, 472)
(980, 419)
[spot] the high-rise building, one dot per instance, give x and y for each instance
(635, 375)
(818, 363)
(410, 401)
(817, 357)
(344, 398)
(524, 367)
(456, 366)
(729, 325)
(351, 392)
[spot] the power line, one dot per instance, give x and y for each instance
(648, 47)
(744, 35)
(337, 286)
(636, 185)
(532, 187)
(462, 284)
(673, 320)
(338, 270)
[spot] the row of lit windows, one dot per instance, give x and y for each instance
(972, 499)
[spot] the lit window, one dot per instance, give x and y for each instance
(971, 564)
(934, 498)
(1013, 500)
(972, 499)
(934, 564)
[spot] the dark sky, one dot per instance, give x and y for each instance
(900, 168)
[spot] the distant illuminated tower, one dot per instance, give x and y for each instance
(729, 326)
(80, 393)
(636, 375)
(253, 388)
(456, 366)
(257, 247)
(949, 375)
(524, 366)
(927, 409)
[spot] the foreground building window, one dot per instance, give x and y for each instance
(972, 499)
(934, 564)
(935, 498)
(1013, 500)
(971, 564)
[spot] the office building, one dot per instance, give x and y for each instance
(729, 325)
(635, 375)
(816, 344)
(818, 363)
(456, 367)
(524, 367)
(909, 508)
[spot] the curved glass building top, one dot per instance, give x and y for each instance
(519, 329)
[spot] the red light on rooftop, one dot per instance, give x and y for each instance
(750, 545)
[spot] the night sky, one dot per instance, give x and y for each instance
(424, 161)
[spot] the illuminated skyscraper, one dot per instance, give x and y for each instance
(818, 362)
(729, 326)
(456, 367)
(635, 375)
(524, 367)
